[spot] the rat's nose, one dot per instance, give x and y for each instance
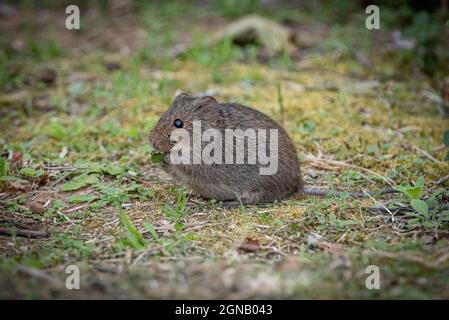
(159, 144)
(155, 145)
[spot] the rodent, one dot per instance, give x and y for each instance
(230, 183)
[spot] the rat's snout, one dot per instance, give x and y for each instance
(154, 140)
(154, 144)
(159, 142)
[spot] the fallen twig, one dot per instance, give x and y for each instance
(65, 217)
(380, 204)
(41, 275)
(381, 208)
(24, 233)
(442, 179)
(70, 210)
(438, 263)
(330, 164)
(425, 153)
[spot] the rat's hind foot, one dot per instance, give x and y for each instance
(230, 204)
(236, 204)
(252, 199)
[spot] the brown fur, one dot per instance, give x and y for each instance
(225, 181)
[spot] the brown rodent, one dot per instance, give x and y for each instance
(230, 183)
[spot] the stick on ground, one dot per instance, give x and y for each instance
(23, 233)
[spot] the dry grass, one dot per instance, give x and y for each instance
(351, 134)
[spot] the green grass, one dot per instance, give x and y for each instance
(86, 175)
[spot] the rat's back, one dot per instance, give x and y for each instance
(263, 168)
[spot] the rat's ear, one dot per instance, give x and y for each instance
(182, 96)
(206, 101)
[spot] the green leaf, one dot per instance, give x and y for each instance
(413, 222)
(32, 173)
(146, 193)
(57, 131)
(151, 230)
(332, 218)
(179, 226)
(3, 167)
(79, 198)
(135, 238)
(90, 167)
(12, 178)
(157, 157)
(80, 182)
(444, 216)
(414, 193)
(429, 224)
(89, 179)
(133, 132)
(420, 182)
(57, 204)
(112, 170)
(372, 149)
(421, 207)
(70, 186)
(309, 125)
(446, 138)
(76, 88)
(131, 187)
(433, 198)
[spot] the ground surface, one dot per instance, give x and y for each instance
(75, 112)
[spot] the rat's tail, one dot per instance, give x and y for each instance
(360, 194)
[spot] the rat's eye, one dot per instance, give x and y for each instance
(178, 123)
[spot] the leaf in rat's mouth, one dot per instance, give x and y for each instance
(157, 157)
